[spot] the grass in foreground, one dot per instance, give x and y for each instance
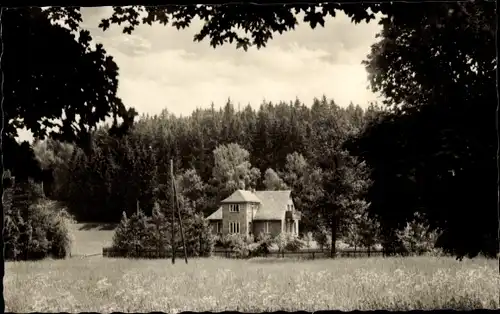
(107, 285)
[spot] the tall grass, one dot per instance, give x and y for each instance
(108, 285)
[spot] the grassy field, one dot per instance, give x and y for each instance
(90, 238)
(106, 285)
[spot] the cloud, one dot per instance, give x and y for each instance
(161, 67)
(180, 82)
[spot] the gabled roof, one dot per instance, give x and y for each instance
(217, 215)
(273, 204)
(241, 196)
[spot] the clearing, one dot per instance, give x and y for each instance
(107, 285)
(90, 238)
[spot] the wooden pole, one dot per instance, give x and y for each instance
(180, 220)
(173, 212)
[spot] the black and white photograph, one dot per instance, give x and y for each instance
(250, 157)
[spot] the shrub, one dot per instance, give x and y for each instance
(238, 243)
(58, 233)
(158, 230)
(225, 241)
(199, 239)
(249, 239)
(417, 237)
(323, 238)
(263, 237)
(262, 245)
(140, 232)
(294, 245)
(120, 237)
(35, 228)
(308, 238)
(281, 240)
(259, 249)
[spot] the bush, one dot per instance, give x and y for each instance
(133, 234)
(159, 233)
(417, 237)
(262, 245)
(238, 243)
(258, 249)
(140, 232)
(35, 228)
(199, 239)
(58, 232)
(308, 238)
(281, 240)
(263, 237)
(322, 238)
(294, 245)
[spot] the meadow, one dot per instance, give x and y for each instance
(90, 238)
(98, 284)
(106, 285)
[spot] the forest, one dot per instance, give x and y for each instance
(280, 146)
(428, 153)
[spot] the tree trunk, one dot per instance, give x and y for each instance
(173, 212)
(334, 238)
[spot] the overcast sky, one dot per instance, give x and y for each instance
(161, 67)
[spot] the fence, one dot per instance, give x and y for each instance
(140, 253)
(226, 253)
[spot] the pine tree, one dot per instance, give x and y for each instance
(121, 240)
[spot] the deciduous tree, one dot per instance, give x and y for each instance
(232, 168)
(435, 152)
(273, 182)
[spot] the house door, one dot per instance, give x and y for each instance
(250, 230)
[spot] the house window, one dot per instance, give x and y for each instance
(234, 227)
(219, 227)
(266, 227)
(234, 208)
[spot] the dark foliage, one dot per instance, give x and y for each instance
(34, 228)
(52, 74)
(153, 233)
(435, 153)
(119, 172)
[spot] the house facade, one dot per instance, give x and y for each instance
(252, 212)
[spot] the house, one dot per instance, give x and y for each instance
(253, 212)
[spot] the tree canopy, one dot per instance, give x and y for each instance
(432, 153)
(435, 64)
(435, 152)
(58, 84)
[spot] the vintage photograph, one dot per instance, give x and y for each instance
(250, 157)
